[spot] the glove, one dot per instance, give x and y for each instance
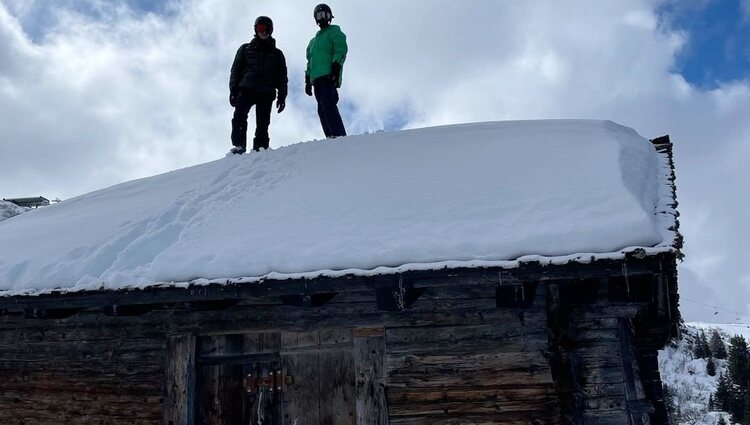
(308, 86)
(280, 105)
(335, 72)
(233, 98)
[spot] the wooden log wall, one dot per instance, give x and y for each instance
(453, 356)
(87, 370)
(494, 371)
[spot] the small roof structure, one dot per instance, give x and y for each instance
(33, 202)
(494, 194)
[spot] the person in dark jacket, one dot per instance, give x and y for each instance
(258, 73)
(326, 54)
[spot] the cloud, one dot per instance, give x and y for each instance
(104, 92)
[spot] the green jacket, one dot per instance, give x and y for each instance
(328, 46)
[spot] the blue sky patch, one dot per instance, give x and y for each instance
(718, 46)
(38, 17)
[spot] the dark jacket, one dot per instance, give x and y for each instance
(259, 66)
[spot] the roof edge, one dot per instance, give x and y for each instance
(667, 208)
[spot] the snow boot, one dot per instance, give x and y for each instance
(260, 143)
(239, 133)
(237, 150)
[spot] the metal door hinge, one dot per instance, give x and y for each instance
(275, 382)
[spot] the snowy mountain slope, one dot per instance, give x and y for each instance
(687, 376)
(9, 209)
(455, 196)
(726, 329)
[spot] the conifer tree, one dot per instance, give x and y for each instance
(737, 403)
(739, 362)
(721, 396)
(698, 351)
(710, 367)
(718, 349)
(669, 403)
(706, 345)
(701, 349)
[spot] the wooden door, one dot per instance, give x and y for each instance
(263, 387)
(276, 378)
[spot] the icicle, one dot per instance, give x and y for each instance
(400, 298)
(259, 411)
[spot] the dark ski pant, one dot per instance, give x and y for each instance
(327, 97)
(263, 103)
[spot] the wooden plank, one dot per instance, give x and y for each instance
(261, 342)
(634, 392)
(460, 291)
(442, 408)
(614, 376)
(605, 403)
(141, 384)
(302, 405)
(515, 391)
(449, 401)
(72, 332)
(230, 383)
(505, 418)
(299, 340)
(371, 378)
(207, 381)
(335, 336)
(219, 385)
(602, 390)
(24, 411)
(243, 319)
(337, 388)
(562, 364)
(179, 384)
(128, 350)
(477, 370)
(606, 417)
(467, 338)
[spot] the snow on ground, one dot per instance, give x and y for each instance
(470, 195)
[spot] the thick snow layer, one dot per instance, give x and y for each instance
(456, 196)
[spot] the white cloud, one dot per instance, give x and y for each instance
(96, 100)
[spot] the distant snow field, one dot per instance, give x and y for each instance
(472, 195)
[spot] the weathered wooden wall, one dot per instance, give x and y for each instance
(465, 352)
(90, 369)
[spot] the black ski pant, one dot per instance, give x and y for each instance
(263, 103)
(327, 97)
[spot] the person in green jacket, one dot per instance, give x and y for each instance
(326, 54)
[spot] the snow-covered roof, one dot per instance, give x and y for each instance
(472, 195)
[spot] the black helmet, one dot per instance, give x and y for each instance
(322, 13)
(265, 22)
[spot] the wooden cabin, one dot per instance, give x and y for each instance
(572, 342)
(33, 202)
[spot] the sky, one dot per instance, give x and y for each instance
(94, 93)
